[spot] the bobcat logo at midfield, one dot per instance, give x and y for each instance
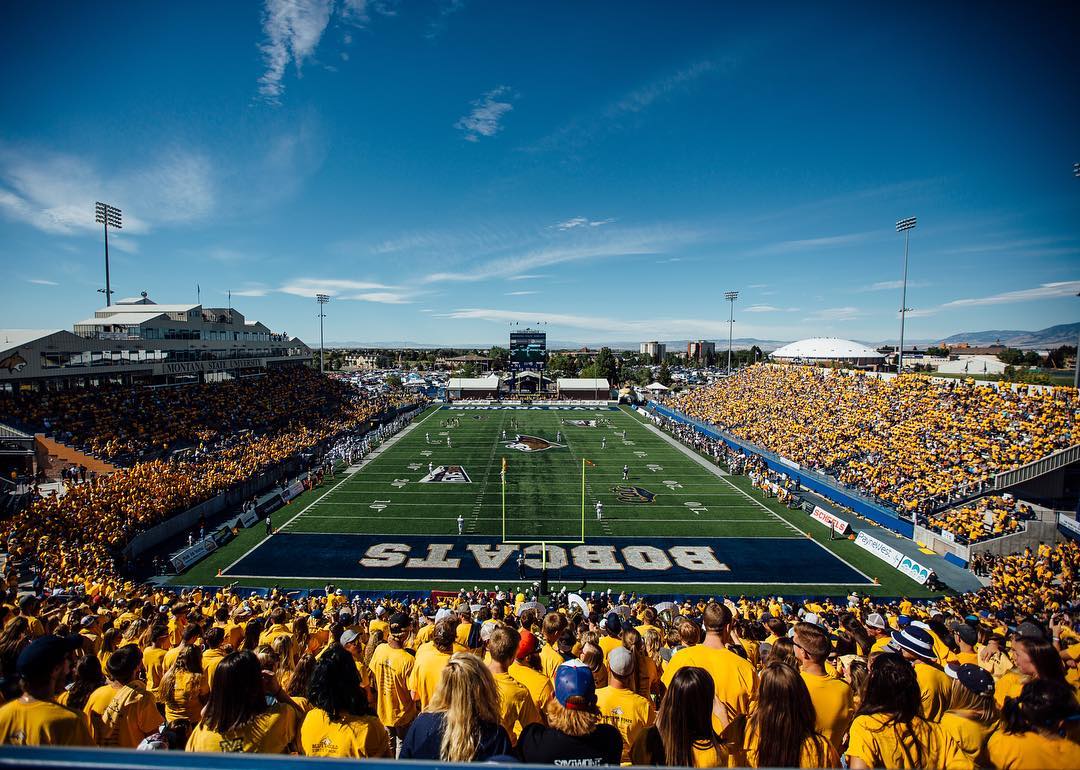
(447, 474)
(580, 423)
(532, 444)
(13, 363)
(633, 494)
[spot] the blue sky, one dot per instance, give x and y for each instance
(445, 168)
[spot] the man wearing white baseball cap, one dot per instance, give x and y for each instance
(917, 646)
(878, 630)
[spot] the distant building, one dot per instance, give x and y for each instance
(700, 350)
(139, 342)
(480, 363)
(489, 387)
(584, 389)
(654, 349)
(829, 350)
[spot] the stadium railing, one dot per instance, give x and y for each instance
(50, 758)
(813, 480)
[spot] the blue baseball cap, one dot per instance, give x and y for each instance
(575, 688)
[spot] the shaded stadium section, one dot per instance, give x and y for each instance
(733, 560)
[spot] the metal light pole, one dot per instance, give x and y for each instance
(322, 299)
(1076, 373)
(107, 216)
(904, 226)
(730, 296)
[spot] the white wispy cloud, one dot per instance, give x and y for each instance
(486, 115)
(758, 286)
(809, 244)
(333, 287)
(596, 246)
(571, 224)
(381, 297)
(1044, 291)
(836, 314)
(42, 282)
(526, 277)
(520, 293)
(770, 309)
(611, 116)
(56, 192)
(447, 8)
(649, 328)
(252, 290)
(293, 29)
(891, 285)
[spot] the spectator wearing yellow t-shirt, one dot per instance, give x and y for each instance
(340, 723)
(917, 646)
(239, 717)
(1034, 725)
(516, 707)
(832, 698)
(782, 731)
(972, 716)
(122, 712)
(391, 668)
(619, 705)
(35, 719)
(888, 729)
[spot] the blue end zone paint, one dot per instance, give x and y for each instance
(733, 560)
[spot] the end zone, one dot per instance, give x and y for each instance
(411, 558)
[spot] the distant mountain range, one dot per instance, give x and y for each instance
(1051, 337)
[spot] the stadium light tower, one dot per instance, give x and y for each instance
(322, 299)
(107, 216)
(730, 296)
(904, 226)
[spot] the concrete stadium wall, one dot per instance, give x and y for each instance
(818, 482)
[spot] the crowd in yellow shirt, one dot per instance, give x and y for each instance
(991, 516)
(173, 654)
(78, 536)
(906, 441)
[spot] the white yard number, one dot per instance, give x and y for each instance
(672, 485)
(696, 507)
(639, 453)
(654, 467)
(426, 452)
(399, 483)
(379, 505)
(414, 466)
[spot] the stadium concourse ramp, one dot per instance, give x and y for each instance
(53, 456)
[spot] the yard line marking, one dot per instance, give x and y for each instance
(330, 491)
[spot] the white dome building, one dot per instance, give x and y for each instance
(826, 350)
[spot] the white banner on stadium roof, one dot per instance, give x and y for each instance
(1069, 523)
(884, 552)
(829, 520)
(914, 570)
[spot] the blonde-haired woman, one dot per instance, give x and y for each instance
(461, 723)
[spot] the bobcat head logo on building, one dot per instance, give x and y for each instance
(524, 443)
(13, 363)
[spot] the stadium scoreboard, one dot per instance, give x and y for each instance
(528, 350)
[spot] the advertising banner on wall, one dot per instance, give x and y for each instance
(884, 552)
(829, 520)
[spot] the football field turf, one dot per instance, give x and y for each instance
(672, 526)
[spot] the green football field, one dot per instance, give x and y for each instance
(672, 526)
